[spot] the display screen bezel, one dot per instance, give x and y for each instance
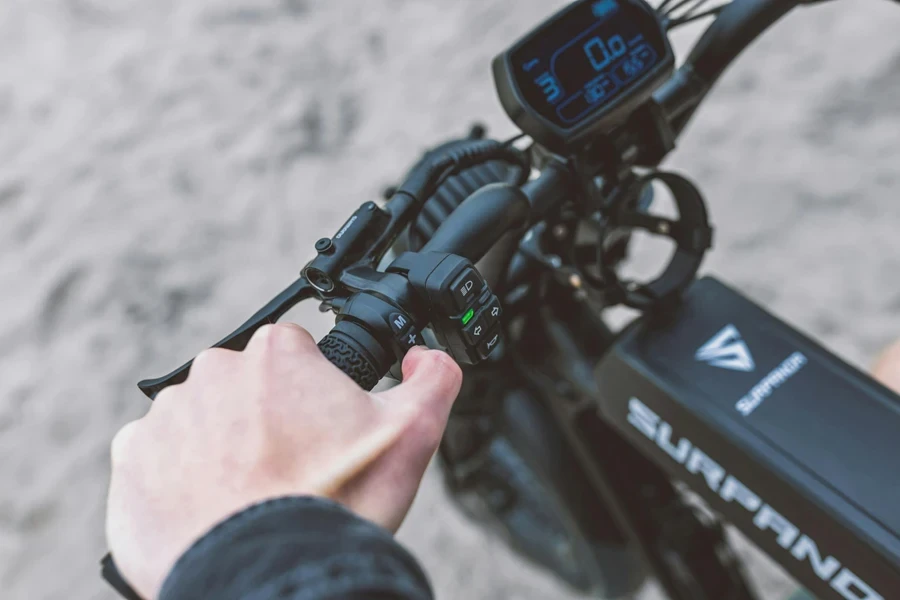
(561, 138)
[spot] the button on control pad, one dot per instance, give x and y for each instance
(466, 287)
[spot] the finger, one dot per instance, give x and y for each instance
(384, 491)
(124, 440)
(281, 337)
(431, 381)
(209, 364)
(887, 368)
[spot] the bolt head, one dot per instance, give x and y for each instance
(478, 131)
(324, 245)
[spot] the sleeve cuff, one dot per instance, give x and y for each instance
(296, 548)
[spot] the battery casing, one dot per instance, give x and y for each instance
(792, 445)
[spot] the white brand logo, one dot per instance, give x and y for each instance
(346, 226)
(799, 545)
(727, 350)
(762, 390)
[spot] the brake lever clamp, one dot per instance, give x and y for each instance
(691, 233)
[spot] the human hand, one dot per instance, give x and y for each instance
(277, 419)
(887, 367)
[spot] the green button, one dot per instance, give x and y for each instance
(468, 316)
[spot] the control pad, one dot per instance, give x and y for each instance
(464, 312)
(470, 329)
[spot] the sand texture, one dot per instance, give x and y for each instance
(165, 167)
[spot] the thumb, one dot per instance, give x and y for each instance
(887, 368)
(431, 381)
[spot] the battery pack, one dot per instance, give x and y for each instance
(792, 445)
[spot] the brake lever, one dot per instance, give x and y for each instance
(237, 340)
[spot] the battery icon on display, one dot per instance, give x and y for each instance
(604, 8)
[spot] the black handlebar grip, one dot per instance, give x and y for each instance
(348, 359)
(354, 351)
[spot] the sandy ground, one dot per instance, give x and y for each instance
(165, 167)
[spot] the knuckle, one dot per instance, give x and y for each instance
(282, 337)
(279, 334)
(445, 370)
(293, 336)
(172, 398)
(262, 336)
(165, 395)
(123, 442)
(209, 358)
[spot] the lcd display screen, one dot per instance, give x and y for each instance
(585, 59)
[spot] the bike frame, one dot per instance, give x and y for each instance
(832, 527)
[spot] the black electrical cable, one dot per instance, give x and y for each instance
(678, 22)
(469, 157)
(514, 139)
(693, 10)
(662, 6)
(679, 3)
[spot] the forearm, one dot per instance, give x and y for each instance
(296, 549)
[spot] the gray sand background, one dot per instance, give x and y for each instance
(165, 167)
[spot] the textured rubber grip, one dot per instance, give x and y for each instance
(344, 354)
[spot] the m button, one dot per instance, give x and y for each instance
(399, 322)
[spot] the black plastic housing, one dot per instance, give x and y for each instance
(454, 190)
(351, 242)
(564, 140)
(799, 453)
(475, 225)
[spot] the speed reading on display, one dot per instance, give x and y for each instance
(573, 72)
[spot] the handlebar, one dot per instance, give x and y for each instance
(735, 28)
(468, 233)
(473, 228)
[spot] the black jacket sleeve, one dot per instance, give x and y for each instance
(296, 549)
